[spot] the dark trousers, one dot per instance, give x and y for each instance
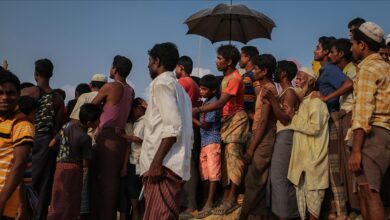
(44, 161)
(106, 166)
(189, 193)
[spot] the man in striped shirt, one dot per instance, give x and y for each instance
(16, 140)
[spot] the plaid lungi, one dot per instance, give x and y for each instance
(310, 200)
(235, 129)
(234, 135)
(347, 176)
(334, 166)
(233, 166)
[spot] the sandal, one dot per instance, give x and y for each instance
(206, 211)
(225, 208)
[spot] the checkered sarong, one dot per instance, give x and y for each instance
(310, 200)
(334, 167)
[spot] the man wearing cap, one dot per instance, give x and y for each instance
(97, 81)
(308, 169)
(384, 52)
(370, 157)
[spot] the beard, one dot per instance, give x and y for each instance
(302, 91)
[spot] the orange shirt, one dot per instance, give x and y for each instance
(13, 133)
(232, 84)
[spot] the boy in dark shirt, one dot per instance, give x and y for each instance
(74, 149)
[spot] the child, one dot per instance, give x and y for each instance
(234, 126)
(210, 155)
(134, 181)
(259, 152)
(74, 150)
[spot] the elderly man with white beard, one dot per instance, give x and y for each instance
(309, 169)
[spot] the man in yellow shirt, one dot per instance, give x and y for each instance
(309, 168)
(16, 140)
(370, 157)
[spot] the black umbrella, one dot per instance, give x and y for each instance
(230, 22)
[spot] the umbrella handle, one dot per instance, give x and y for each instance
(230, 24)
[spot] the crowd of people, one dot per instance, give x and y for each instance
(297, 142)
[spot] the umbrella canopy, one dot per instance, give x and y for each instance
(230, 22)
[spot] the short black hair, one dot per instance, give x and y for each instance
(167, 53)
(359, 36)
(289, 67)
(82, 88)
(196, 79)
(89, 113)
(60, 92)
(8, 77)
(186, 62)
(209, 81)
(26, 85)
(123, 65)
(97, 84)
(251, 51)
(44, 67)
(343, 45)
(137, 102)
(229, 52)
(356, 22)
(326, 42)
(27, 104)
(265, 61)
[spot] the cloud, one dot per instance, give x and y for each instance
(200, 72)
(69, 90)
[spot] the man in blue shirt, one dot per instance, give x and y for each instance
(331, 84)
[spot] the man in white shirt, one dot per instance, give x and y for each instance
(168, 136)
(97, 82)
